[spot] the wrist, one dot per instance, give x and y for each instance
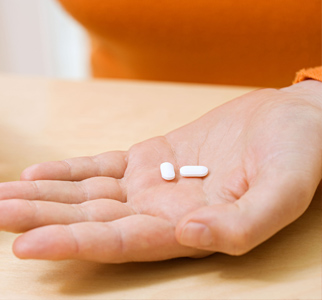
(310, 89)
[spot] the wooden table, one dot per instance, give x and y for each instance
(49, 120)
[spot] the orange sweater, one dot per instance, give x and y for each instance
(240, 42)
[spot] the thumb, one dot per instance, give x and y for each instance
(235, 228)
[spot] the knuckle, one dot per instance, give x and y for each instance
(240, 240)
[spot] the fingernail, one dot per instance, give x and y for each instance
(196, 235)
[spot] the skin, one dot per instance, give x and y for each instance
(264, 155)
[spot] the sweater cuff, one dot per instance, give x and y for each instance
(311, 73)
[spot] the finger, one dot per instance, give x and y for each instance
(64, 191)
(235, 228)
(133, 238)
(21, 215)
(109, 164)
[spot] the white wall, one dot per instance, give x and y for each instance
(38, 38)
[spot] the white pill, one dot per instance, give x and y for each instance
(167, 171)
(193, 171)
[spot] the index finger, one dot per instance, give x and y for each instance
(132, 238)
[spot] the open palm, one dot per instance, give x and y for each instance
(263, 152)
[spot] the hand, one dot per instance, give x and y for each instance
(264, 154)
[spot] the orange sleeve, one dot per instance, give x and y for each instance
(311, 73)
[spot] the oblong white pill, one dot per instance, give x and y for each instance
(193, 171)
(167, 171)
